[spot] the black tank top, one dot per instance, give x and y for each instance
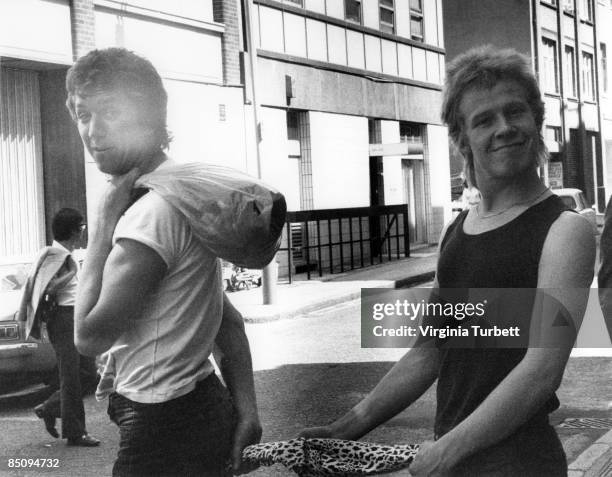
(506, 257)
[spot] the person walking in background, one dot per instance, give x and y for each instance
(54, 277)
(493, 403)
(150, 295)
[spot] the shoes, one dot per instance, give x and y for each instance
(84, 441)
(49, 420)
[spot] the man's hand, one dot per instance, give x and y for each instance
(247, 432)
(431, 461)
(116, 198)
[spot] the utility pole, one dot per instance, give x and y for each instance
(270, 271)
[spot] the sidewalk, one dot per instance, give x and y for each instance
(305, 296)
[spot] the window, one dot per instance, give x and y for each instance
(568, 6)
(603, 53)
(549, 64)
(586, 10)
(352, 10)
(298, 3)
(410, 132)
(387, 21)
(570, 72)
(416, 20)
(588, 85)
(550, 2)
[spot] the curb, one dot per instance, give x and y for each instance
(595, 461)
(273, 314)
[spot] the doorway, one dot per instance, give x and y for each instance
(414, 196)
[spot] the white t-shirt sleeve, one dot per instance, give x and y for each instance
(155, 223)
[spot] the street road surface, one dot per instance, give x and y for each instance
(308, 371)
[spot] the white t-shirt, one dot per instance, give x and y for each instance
(166, 350)
(66, 296)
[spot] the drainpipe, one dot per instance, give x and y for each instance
(270, 271)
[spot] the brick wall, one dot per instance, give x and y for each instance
(226, 12)
(82, 26)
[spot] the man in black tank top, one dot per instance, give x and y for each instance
(493, 404)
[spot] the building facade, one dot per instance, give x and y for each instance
(568, 45)
(194, 44)
(350, 94)
(334, 102)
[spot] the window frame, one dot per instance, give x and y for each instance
(383, 25)
(588, 6)
(588, 76)
(417, 15)
(570, 74)
(351, 20)
(553, 44)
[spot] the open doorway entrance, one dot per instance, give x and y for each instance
(414, 196)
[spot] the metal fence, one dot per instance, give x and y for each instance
(336, 240)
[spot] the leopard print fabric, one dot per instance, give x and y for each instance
(331, 457)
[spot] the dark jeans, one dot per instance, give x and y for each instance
(71, 410)
(187, 436)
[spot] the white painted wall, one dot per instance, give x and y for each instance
(276, 167)
(340, 160)
(36, 30)
(392, 165)
(370, 14)
(176, 52)
(439, 179)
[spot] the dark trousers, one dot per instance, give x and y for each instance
(187, 436)
(69, 406)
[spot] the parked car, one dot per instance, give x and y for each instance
(21, 361)
(575, 199)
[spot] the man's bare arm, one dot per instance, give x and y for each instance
(233, 356)
(409, 378)
(113, 289)
(114, 282)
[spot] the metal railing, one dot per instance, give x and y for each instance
(335, 240)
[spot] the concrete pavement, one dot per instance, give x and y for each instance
(304, 296)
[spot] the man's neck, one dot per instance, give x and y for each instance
(499, 194)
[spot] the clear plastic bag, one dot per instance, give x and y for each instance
(235, 216)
